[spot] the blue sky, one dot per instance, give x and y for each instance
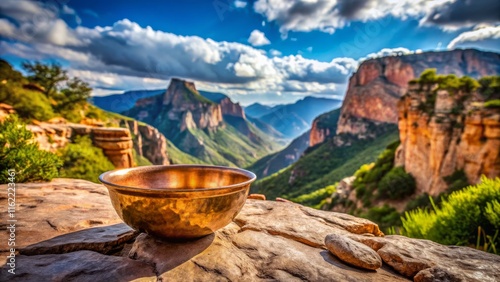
(268, 51)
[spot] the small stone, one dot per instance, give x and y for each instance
(257, 197)
(353, 252)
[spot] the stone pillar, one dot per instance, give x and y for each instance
(116, 144)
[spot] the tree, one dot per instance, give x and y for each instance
(47, 76)
(75, 94)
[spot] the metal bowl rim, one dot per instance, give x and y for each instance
(248, 173)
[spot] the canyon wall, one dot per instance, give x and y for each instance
(148, 142)
(454, 133)
(378, 84)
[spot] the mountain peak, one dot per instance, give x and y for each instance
(180, 92)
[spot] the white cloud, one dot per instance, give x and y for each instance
(275, 53)
(126, 55)
(329, 15)
(36, 22)
(385, 52)
(309, 49)
(258, 38)
(240, 4)
(483, 34)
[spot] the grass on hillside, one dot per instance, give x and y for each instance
(322, 167)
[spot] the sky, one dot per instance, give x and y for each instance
(267, 51)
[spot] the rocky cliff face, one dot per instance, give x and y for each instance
(212, 131)
(148, 142)
(229, 108)
(195, 110)
(374, 90)
(116, 143)
(180, 108)
(453, 133)
(323, 127)
(86, 241)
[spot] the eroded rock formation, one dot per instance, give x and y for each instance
(454, 133)
(377, 85)
(263, 243)
(116, 144)
(231, 109)
(148, 142)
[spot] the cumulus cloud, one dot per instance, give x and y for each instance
(36, 22)
(329, 15)
(126, 54)
(481, 36)
(258, 38)
(461, 13)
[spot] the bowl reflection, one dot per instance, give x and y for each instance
(178, 201)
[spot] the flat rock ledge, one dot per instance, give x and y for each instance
(67, 230)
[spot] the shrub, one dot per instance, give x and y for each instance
(456, 181)
(384, 216)
(492, 103)
(83, 160)
(19, 152)
(421, 201)
(317, 198)
(459, 217)
(396, 184)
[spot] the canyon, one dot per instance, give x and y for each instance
(213, 131)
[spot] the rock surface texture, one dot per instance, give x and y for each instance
(268, 241)
(377, 85)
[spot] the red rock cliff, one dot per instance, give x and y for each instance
(456, 133)
(231, 109)
(376, 87)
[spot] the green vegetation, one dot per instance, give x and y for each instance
(140, 160)
(46, 92)
(321, 167)
(381, 174)
(490, 87)
(316, 199)
(467, 217)
(179, 157)
(385, 216)
(83, 160)
(464, 87)
(396, 185)
(492, 103)
(448, 82)
(20, 153)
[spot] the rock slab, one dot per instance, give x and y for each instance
(268, 241)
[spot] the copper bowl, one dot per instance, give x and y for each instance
(178, 201)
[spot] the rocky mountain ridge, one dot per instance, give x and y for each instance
(213, 131)
(378, 84)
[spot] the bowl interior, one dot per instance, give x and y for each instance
(178, 177)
